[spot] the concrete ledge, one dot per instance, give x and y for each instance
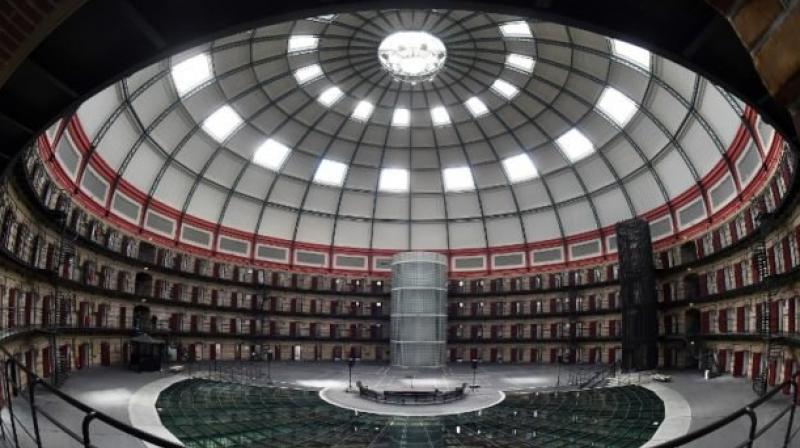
(142, 409)
(677, 414)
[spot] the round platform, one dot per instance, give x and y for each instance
(472, 401)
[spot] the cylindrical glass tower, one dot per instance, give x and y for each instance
(419, 309)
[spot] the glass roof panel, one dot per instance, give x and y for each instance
(519, 168)
(222, 123)
(271, 154)
(393, 180)
(458, 179)
(518, 28)
(301, 43)
(330, 96)
(363, 110)
(307, 73)
(191, 72)
(632, 53)
(330, 172)
(439, 116)
(476, 107)
(401, 117)
(616, 105)
(575, 145)
(504, 89)
(520, 62)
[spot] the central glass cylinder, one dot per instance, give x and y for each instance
(412, 56)
(419, 309)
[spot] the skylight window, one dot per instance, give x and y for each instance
(302, 42)
(191, 72)
(458, 179)
(516, 29)
(476, 107)
(520, 62)
(439, 116)
(330, 95)
(504, 89)
(637, 55)
(271, 154)
(401, 117)
(328, 18)
(519, 168)
(331, 173)
(222, 123)
(393, 180)
(575, 145)
(307, 73)
(616, 105)
(363, 110)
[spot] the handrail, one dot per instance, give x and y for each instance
(10, 381)
(749, 411)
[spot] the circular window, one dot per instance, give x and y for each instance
(412, 56)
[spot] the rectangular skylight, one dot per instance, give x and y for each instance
(307, 73)
(439, 116)
(222, 122)
(520, 62)
(363, 110)
(330, 96)
(323, 18)
(616, 105)
(575, 145)
(476, 107)
(393, 180)
(516, 29)
(504, 89)
(191, 72)
(302, 42)
(519, 168)
(271, 154)
(331, 173)
(458, 179)
(637, 55)
(401, 117)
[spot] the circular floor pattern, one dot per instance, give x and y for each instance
(203, 413)
(472, 402)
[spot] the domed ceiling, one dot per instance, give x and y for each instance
(470, 131)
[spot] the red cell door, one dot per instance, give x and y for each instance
(514, 354)
(473, 354)
(534, 355)
(453, 355)
(722, 360)
(105, 354)
(593, 355)
(755, 369)
(553, 355)
(212, 352)
(46, 366)
(738, 363)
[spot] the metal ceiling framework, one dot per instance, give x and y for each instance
(573, 66)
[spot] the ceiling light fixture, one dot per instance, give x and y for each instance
(412, 56)
(190, 73)
(222, 123)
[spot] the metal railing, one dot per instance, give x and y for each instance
(13, 428)
(755, 430)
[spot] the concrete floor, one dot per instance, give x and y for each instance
(111, 390)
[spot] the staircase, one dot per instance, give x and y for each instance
(773, 345)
